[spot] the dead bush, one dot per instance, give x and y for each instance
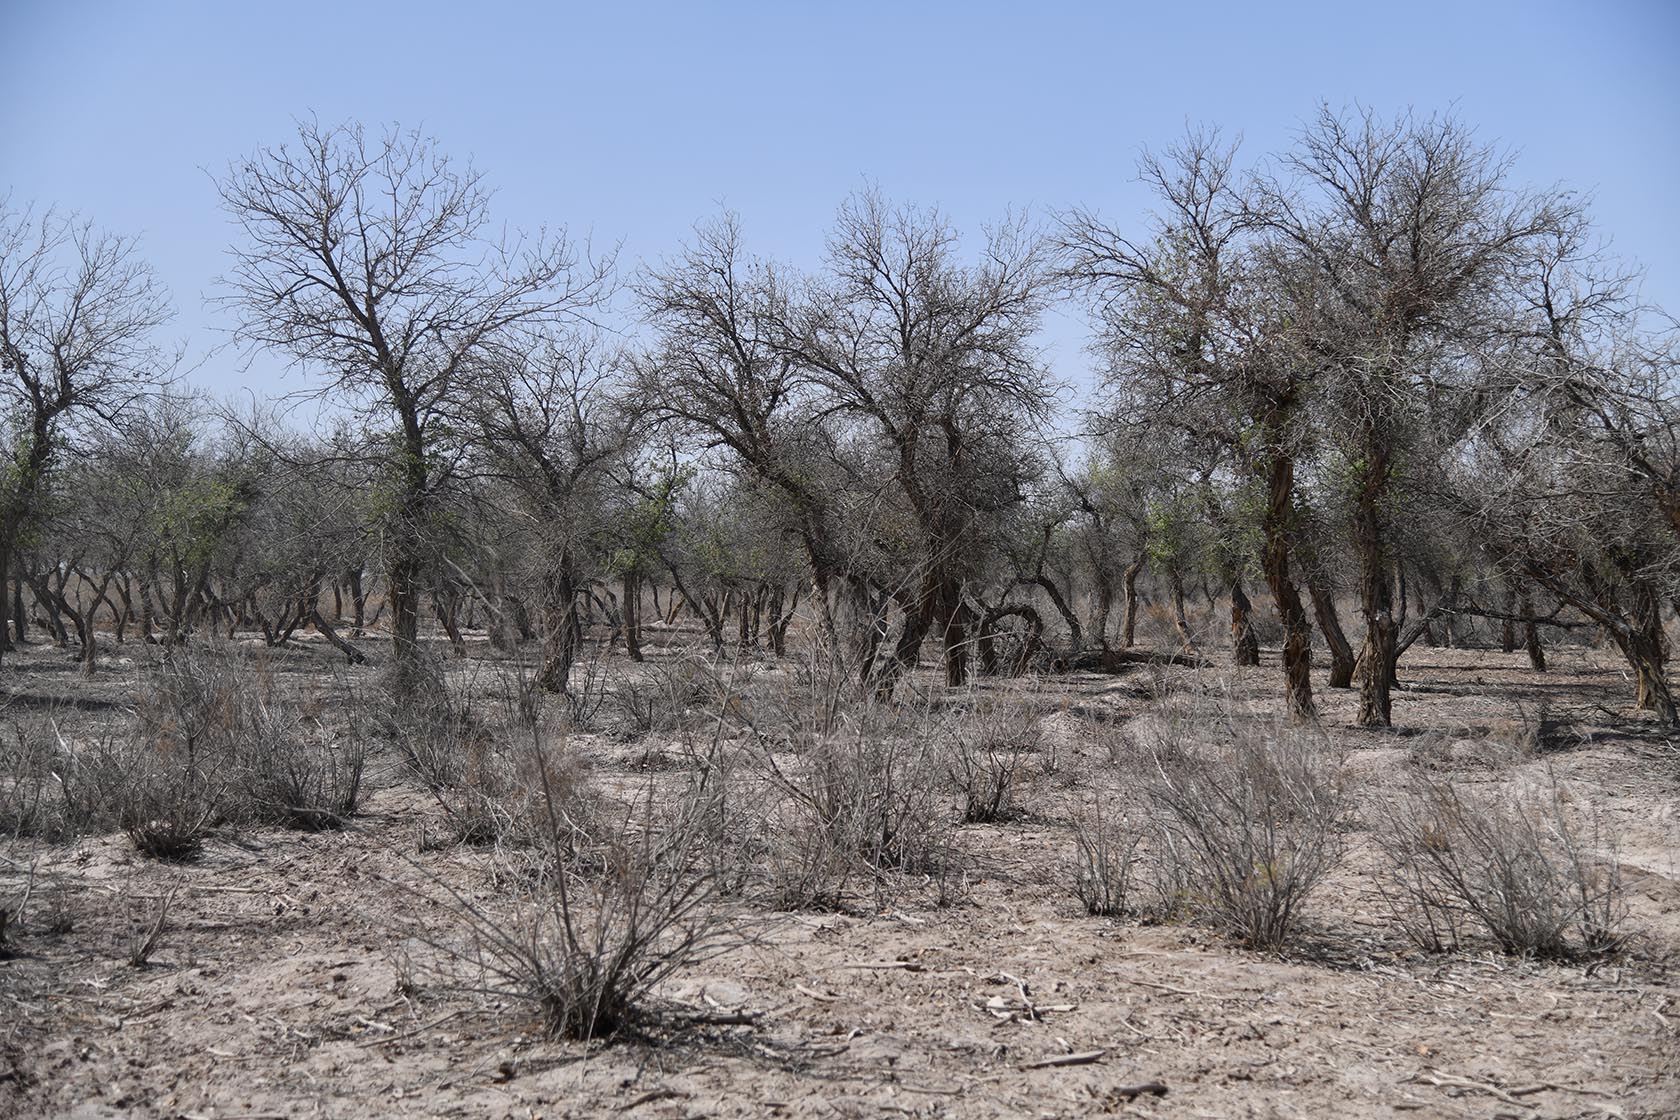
(1536, 878)
(437, 734)
(660, 696)
(295, 770)
(594, 939)
(183, 756)
(860, 806)
(1107, 858)
(50, 788)
(988, 743)
(1249, 823)
(533, 795)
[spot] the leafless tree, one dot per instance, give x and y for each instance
(366, 260)
(1411, 229)
(554, 427)
(78, 309)
(1194, 320)
(933, 360)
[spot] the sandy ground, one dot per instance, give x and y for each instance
(286, 984)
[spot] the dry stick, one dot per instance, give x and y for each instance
(1082, 1058)
(815, 995)
(410, 1034)
(1147, 1088)
(655, 1095)
(1450, 1082)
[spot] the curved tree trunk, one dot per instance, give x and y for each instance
(1342, 661)
(1129, 583)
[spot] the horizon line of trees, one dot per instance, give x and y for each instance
(1371, 368)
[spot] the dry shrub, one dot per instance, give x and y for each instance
(661, 696)
(220, 738)
(1249, 823)
(594, 939)
(1107, 861)
(52, 786)
(437, 733)
(296, 770)
(534, 796)
(1527, 734)
(988, 742)
(861, 805)
(185, 757)
(1538, 879)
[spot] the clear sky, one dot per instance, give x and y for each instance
(630, 121)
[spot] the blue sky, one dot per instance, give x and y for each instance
(630, 121)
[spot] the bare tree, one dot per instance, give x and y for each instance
(1194, 321)
(366, 260)
(933, 360)
(77, 312)
(1411, 230)
(553, 430)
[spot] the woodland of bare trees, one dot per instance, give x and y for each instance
(1365, 391)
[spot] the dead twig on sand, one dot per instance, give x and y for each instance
(1081, 1058)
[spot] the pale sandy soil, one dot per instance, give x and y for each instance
(280, 987)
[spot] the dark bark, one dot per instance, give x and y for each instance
(1245, 644)
(633, 615)
(1129, 637)
(1376, 658)
(562, 629)
(1175, 587)
(1531, 633)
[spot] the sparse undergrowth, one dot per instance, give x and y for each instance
(1536, 875)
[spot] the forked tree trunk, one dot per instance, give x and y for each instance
(1129, 583)
(1175, 586)
(1376, 658)
(1342, 660)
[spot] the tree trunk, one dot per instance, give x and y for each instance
(1245, 644)
(1129, 580)
(1076, 633)
(1175, 586)
(403, 594)
(1376, 658)
(955, 634)
(447, 608)
(1335, 638)
(20, 618)
(633, 615)
(358, 600)
(1531, 633)
(562, 629)
(1105, 607)
(6, 602)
